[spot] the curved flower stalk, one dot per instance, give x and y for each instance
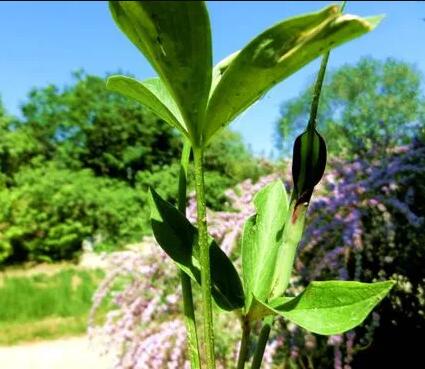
(327, 308)
(198, 100)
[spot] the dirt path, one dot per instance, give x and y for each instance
(69, 353)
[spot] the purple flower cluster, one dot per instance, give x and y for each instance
(353, 227)
(355, 207)
(349, 195)
(142, 329)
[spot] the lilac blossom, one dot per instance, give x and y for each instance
(144, 328)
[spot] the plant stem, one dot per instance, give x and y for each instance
(294, 226)
(319, 83)
(188, 309)
(204, 258)
(262, 342)
(317, 91)
(189, 316)
(243, 351)
(184, 164)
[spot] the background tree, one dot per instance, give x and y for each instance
(78, 164)
(17, 146)
(370, 104)
(85, 126)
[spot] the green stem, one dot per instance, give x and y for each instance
(294, 225)
(188, 308)
(189, 316)
(204, 258)
(262, 342)
(317, 91)
(310, 361)
(184, 164)
(318, 85)
(243, 351)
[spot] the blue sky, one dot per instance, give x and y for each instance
(42, 42)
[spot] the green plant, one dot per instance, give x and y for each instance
(199, 101)
(45, 304)
(372, 103)
(83, 125)
(50, 212)
(228, 162)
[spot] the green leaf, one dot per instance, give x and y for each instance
(179, 239)
(276, 54)
(331, 307)
(220, 68)
(175, 37)
(258, 310)
(261, 240)
(152, 94)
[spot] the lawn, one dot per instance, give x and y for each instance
(45, 305)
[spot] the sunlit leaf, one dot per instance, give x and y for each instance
(330, 307)
(221, 68)
(261, 241)
(150, 93)
(175, 37)
(179, 239)
(276, 54)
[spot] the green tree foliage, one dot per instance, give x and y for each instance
(86, 126)
(50, 211)
(228, 154)
(370, 104)
(78, 164)
(17, 146)
(228, 160)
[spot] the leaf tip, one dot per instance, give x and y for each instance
(111, 82)
(151, 201)
(391, 283)
(374, 21)
(367, 24)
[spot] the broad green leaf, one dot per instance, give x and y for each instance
(276, 54)
(261, 240)
(179, 239)
(221, 68)
(249, 252)
(175, 37)
(292, 234)
(152, 94)
(331, 307)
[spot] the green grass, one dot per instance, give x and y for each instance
(45, 306)
(46, 329)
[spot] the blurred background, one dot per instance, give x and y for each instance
(76, 162)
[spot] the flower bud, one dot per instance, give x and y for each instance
(308, 163)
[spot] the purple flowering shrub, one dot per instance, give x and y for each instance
(365, 220)
(139, 327)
